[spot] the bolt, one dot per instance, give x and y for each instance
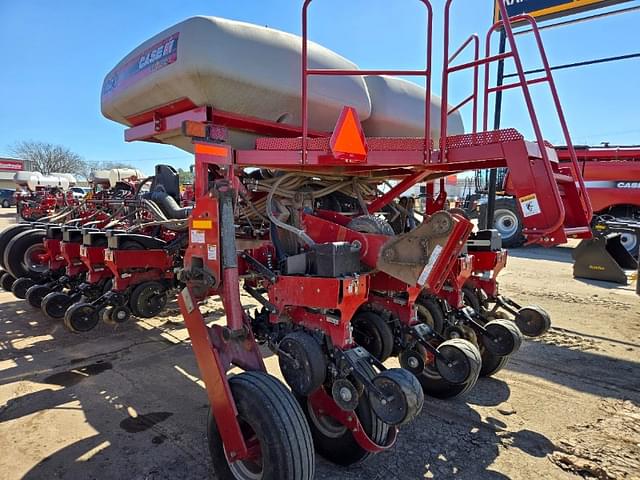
(350, 419)
(233, 454)
(345, 394)
(413, 362)
(383, 401)
(449, 364)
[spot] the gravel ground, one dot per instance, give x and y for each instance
(127, 402)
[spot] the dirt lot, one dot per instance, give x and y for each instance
(127, 403)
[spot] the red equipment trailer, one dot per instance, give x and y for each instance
(352, 402)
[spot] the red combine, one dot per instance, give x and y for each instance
(295, 221)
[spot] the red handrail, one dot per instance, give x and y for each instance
(506, 23)
(307, 72)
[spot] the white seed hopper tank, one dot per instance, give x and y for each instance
(47, 181)
(68, 176)
(398, 110)
(123, 175)
(22, 177)
(233, 66)
(99, 177)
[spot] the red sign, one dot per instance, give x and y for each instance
(11, 165)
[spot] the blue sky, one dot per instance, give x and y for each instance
(56, 54)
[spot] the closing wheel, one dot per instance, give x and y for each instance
(302, 362)
(465, 362)
(334, 441)
(118, 314)
(35, 294)
(373, 334)
(20, 287)
(403, 396)
(148, 299)
(503, 338)
(273, 424)
(81, 317)
(6, 281)
(55, 304)
(533, 321)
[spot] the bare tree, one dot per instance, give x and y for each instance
(48, 158)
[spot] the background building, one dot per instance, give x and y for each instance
(8, 168)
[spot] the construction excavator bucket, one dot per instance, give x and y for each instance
(603, 257)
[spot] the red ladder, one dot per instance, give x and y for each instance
(553, 200)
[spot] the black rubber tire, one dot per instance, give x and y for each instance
(55, 305)
(6, 281)
(533, 321)
(8, 234)
(372, 333)
(492, 364)
(434, 385)
(270, 410)
(430, 312)
(81, 317)
(470, 299)
(148, 299)
(20, 287)
(16, 249)
(35, 294)
(342, 448)
(371, 224)
(400, 380)
(511, 212)
(303, 377)
(508, 331)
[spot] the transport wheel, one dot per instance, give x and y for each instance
(506, 338)
(8, 234)
(302, 363)
(373, 334)
(508, 222)
(334, 441)
(5, 203)
(6, 281)
(533, 321)
(405, 397)
(273, 423)
(148, 299)
(629, 241)
(371, 224)
(20, 287)
(35, 294)
(55, 304)
(81, 317)
(24, 255)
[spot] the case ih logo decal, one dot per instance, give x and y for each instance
(153, 58)
(611, 184)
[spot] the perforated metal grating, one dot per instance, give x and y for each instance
(483, 138)
(375, 144)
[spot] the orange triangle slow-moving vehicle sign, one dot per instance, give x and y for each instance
(348, 142)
